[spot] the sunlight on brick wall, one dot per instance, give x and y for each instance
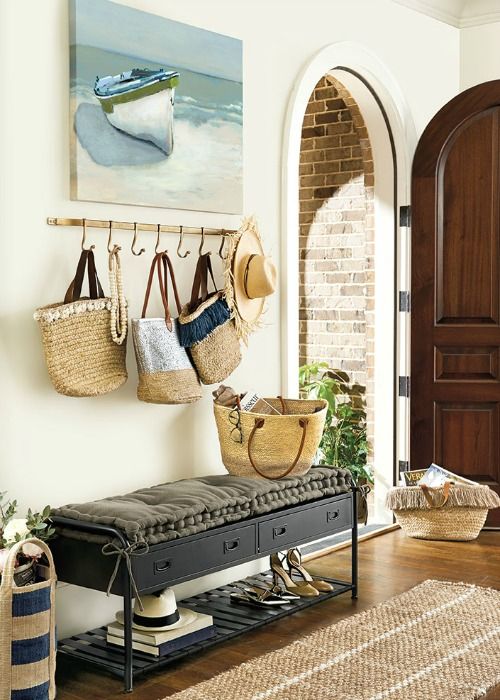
(337, 246)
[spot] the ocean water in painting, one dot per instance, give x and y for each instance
(204, 170)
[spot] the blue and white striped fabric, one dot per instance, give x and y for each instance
(27, 635)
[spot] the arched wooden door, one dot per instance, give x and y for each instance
(455, 324)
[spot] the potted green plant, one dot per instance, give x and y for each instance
(14, 530)
(344, 443)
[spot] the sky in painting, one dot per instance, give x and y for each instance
(113, 27)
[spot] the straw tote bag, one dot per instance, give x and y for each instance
(85, 355)
(27, 633)
(271, 446)
(166, 374)
(207, 328)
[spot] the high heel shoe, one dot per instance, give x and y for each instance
(294, 561)
(302, 588)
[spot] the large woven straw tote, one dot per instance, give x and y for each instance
(84, 354)
(166, 374)
(27, 633)
(446, 513)
(271, 446)
(207, 328)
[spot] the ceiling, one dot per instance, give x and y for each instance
(458, 13)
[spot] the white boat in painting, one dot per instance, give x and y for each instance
(140, 102)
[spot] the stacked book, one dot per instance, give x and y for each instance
(164, 643)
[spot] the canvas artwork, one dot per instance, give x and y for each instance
(156, 110)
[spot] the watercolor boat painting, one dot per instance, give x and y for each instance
(141, 103)
(156, 111)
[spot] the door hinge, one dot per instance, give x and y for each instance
(404, 386)
(405, 215)
(404, 301)
(404, 466)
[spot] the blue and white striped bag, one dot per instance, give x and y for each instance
(27, 633)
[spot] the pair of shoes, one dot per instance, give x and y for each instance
(294, 560)
(301, 588)
(262, 597)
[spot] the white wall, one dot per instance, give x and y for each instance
(59, 450)
(479, 54)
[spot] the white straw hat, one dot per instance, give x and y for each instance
(160, 613)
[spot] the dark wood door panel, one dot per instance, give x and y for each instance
(467, 223)
(466, 438)
(455, 327)
(465, 363)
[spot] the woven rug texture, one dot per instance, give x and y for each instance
(437, 641)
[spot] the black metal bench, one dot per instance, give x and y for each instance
(82, 563)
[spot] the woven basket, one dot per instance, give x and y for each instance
(166, 375)
(458, 516)
(27, 633)
(218, 355)
(82, 357)
(272, 446)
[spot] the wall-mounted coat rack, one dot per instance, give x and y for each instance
(135, 226)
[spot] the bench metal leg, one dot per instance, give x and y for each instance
(354, 543)
(127, 623)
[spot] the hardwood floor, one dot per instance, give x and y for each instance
(388, 565)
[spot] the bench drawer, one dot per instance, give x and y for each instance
(278, 533)
(174, 561)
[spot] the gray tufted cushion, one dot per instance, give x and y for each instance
(169, 511)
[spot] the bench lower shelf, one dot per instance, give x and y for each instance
(231, 620)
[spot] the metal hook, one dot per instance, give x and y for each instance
(142, 250)
(222, 244)
(200, 249)
(84, 236)
(158, 231)
(181, 236)
(112, 248)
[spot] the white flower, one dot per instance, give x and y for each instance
(4, 555)
(32, 550)
(17, 526)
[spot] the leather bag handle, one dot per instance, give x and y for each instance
(428, 497)
(199, 289)
(157, 263)
(74, 291)
(168, 262)
(259, 423)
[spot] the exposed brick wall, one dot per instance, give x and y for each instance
(337, 244)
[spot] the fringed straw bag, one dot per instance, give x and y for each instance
(446, 513)
(271, 446)
(83, 338)
(27, 633)
(207, 328)
(166, 375)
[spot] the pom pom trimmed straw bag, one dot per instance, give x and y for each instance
(271, 446)
(83, 337)
(27, 633)
(445, 513)
(207, 328)
(166, 374)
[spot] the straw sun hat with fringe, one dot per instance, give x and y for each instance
(250, 277)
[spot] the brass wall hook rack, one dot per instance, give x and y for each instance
(135, 226)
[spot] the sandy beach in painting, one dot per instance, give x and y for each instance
(204, 171)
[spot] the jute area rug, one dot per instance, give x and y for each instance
(438, 641)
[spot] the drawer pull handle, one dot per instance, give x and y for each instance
(332, 515)
(231, 545)
(279, 531)
(162, 565)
